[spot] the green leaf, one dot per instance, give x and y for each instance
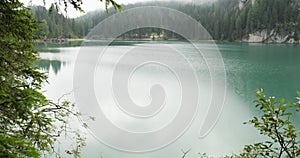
(283, 108)
(298, 93)
(272, 99)
(282, 100)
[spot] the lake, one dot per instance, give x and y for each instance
(276, 68)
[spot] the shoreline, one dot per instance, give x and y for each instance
(65, 40)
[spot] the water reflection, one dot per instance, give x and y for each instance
(276, 68)
(46, 64)
(59, 44)
(53, 46)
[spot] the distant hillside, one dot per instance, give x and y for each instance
(273, 21)
(55, 25)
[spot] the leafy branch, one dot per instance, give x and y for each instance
(274, 123)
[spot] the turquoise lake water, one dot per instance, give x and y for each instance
(275, 68)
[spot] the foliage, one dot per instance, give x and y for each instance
(20, 81)
(116, 6)
(77, 4)
(274, 123)
(55, 25)
(223, 19)
(30, 124)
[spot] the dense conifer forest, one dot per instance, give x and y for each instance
(230, 20)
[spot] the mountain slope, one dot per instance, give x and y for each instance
(273, 21)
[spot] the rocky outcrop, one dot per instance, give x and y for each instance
(257, 37)
(282, 33)
(272, 36)
(243, 2)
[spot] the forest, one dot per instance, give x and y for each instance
(32, 124)
(230, 20)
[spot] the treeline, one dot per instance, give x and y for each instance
(235, 19)
(224, 19)
(55, 25)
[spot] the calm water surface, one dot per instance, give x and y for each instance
(276, 68)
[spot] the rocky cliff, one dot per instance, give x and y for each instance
(284, 29)
(273, 36)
